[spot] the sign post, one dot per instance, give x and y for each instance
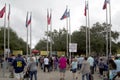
(72, 48)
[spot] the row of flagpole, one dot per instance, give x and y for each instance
(3, 13)
(108, 30)
(67, 16)
(28, 22)
(108, 26)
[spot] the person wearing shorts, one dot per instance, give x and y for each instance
(19, 76)
(62, 66)
(18, 65)
(74, 68)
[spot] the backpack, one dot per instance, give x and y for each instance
(101, 65)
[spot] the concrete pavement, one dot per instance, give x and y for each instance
(54, 75)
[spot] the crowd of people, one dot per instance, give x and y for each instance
(106, 67)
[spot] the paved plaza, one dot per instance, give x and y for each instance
(54, 75)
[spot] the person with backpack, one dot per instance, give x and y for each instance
(101, 67)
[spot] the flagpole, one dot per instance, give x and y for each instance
(110, 24)
(9, 30)
(31, 34)
(5, 32)
(86, 33)
(51, 32)
(4, 42)
(47, 32)
(106, 32)
(27, 42)
(89, 29)
(67, 33)
(27, 34)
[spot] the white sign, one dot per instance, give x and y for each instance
(72, 47)
(7, 51)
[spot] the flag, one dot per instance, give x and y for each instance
(48, 18)
(65, 15)
(105, 4)
(9, 13)
(29, 21)
(2, 11)
(26, 24)
(85, 10)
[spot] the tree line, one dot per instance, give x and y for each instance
(58, 40)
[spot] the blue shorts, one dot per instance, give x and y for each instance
(74, 70)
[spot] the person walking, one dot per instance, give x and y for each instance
(55, 62)
(10, 60)
(101, 67)
(91, 61)
(80, 60)
(32, 67)
(18, 65)
(74, 68)
(46, 64)
(85, 69)
(62, 66)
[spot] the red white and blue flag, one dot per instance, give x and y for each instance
(2, 11)
(29, 21)
(48, 18)
(105, 4)
(65, 15)
(85, 9)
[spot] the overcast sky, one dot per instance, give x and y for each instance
(38, 8)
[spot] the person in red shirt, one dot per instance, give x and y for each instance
(62, 66)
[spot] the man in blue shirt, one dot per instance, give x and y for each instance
(19, 65)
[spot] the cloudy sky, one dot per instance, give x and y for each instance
(38, 8)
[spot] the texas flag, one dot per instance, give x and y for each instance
(105, 4)
(2, 11)
(65, 15)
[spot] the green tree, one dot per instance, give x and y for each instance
(16, 43)
(97, 39)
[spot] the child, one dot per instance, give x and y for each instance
(74, 68)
